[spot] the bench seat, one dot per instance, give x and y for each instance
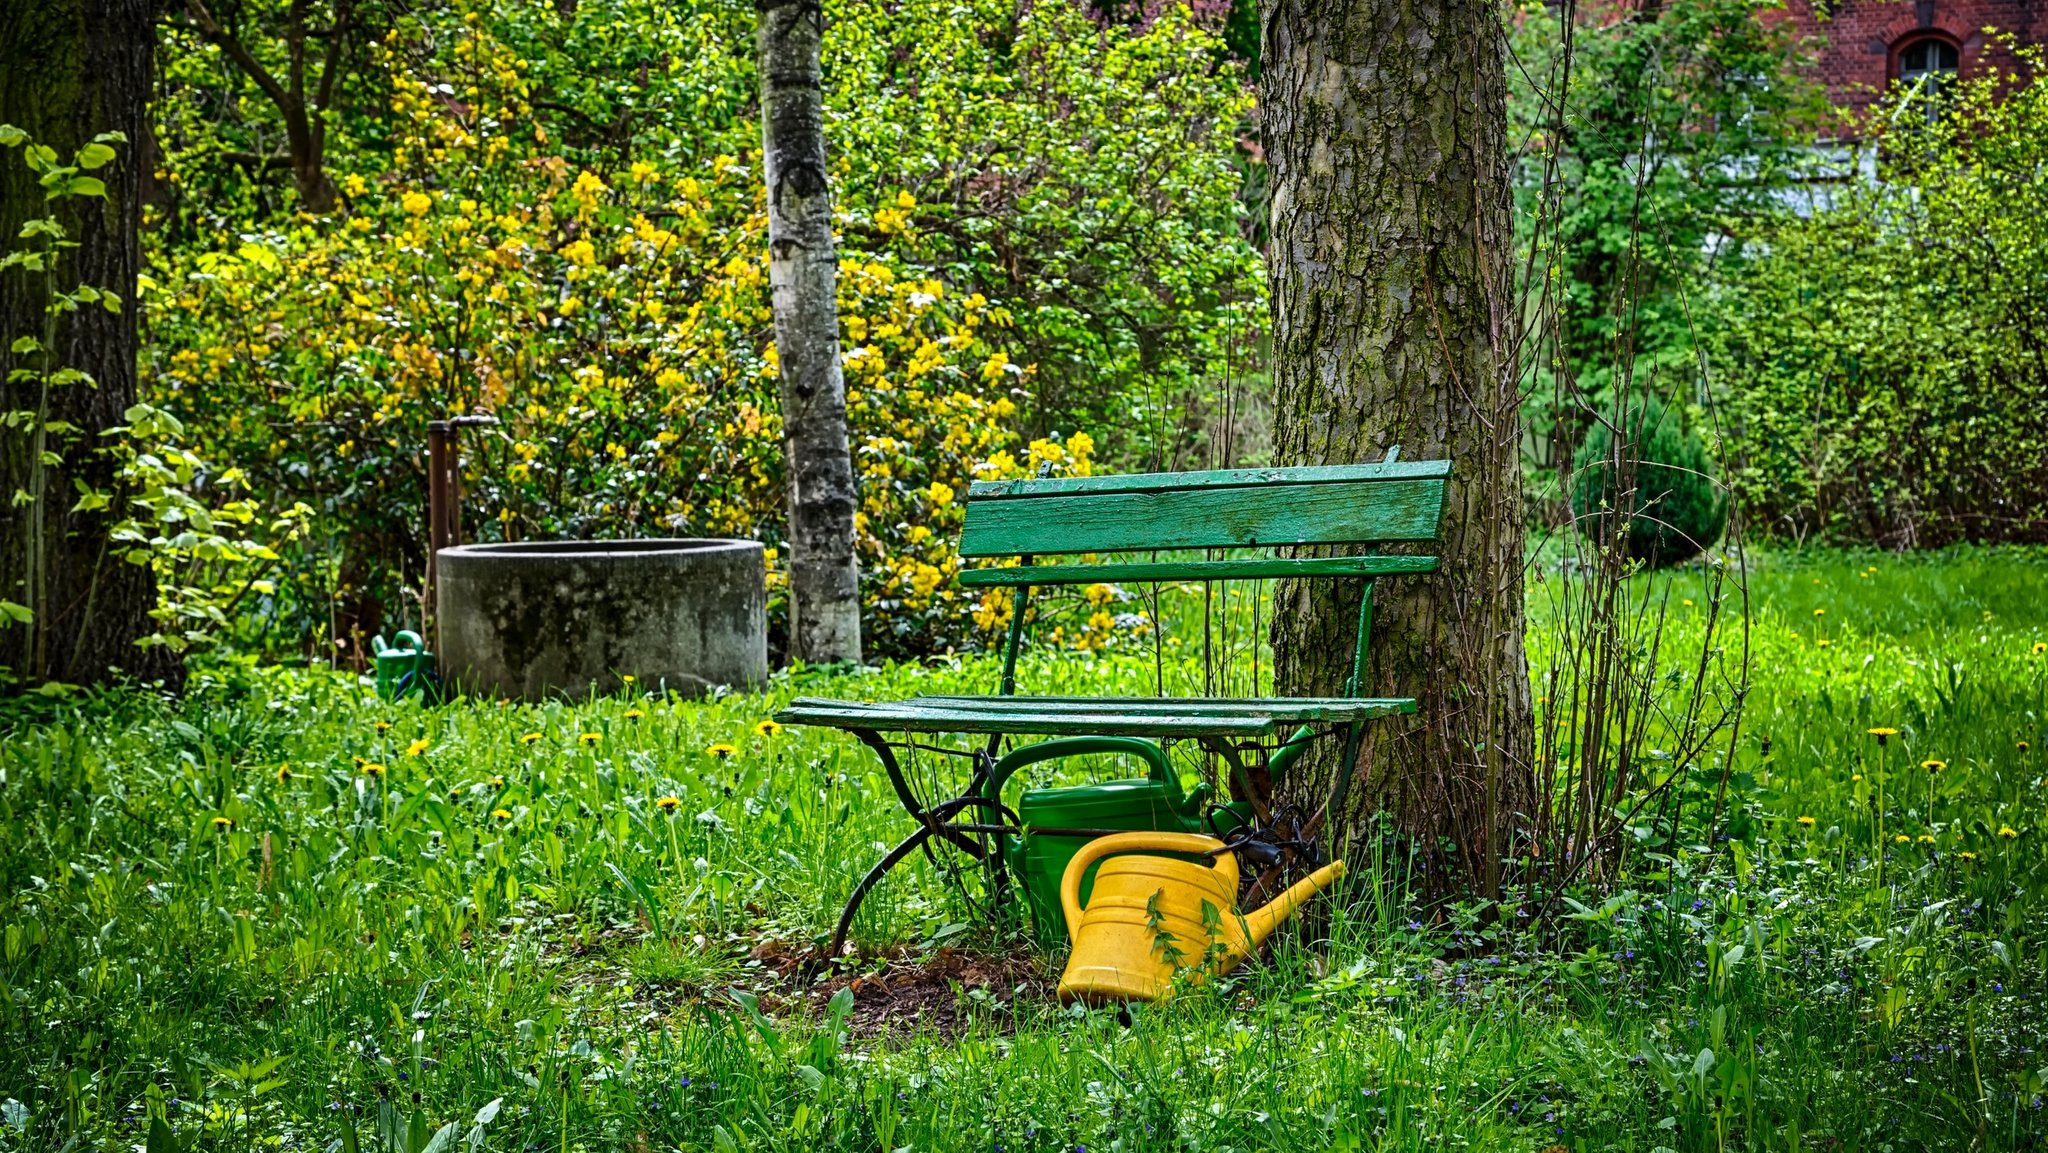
(1101, 716)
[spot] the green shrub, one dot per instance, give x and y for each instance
(1660, 474)
(1881, 365)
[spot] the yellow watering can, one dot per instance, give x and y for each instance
(1150, 917)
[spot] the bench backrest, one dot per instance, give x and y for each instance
(1220, 509)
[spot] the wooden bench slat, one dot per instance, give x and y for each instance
(1258, 568)
(901, 718)
(1288, 709)
(1337, 512)
(1211, 478)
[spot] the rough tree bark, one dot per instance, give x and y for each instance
(803, 270)
(1385, 125)
(69, 70)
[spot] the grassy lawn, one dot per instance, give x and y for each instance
(283, 914)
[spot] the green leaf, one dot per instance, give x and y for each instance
(160, 1138)
(94, 155)
(11, 136)
(86, 186)
(16, 613)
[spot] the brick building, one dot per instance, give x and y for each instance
(1871, 43)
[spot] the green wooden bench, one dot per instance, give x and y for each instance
(1282, 510)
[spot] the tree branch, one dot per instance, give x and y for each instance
(226, 42)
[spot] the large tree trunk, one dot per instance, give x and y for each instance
(1385, 125)
(69, 70)
(803, 270)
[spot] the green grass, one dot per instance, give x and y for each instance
(363, 958)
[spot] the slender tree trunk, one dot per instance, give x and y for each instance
(69, 70)
(803, 269)
(1385, 124)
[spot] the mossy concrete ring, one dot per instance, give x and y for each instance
(565, 618)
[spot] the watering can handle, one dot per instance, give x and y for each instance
(1137, 842)
(405, 635)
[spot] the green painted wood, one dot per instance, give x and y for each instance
(1257, 568)
(1338, 512)
(1289, 709)
(1212, 478)
(899, 718)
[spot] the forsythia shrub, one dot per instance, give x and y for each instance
(615, 323)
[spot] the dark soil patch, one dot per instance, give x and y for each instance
(943, 992)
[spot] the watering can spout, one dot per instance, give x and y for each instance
(1260, 922)
(1125, 937)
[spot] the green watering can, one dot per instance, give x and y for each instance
(1054, 819)
(406, 668)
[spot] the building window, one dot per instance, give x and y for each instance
(1931, 58)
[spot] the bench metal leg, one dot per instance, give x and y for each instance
(874, 876)
(935, 822)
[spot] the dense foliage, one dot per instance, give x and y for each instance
(1881, 361)
(1651, 471)
(1655, 135)
(1026, 242)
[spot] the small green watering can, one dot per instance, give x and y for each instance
(404, 669)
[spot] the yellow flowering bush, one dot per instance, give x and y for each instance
(617, 326)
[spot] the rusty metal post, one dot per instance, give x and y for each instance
(441, 515)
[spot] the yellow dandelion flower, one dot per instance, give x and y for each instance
(372, 769)
(628, 678)
(284, 773)
(1854, 777)
(1820, 612)
(1967, 855)
(1686, 602)
(382, 726)
(635, 714)
(497, 782)
(1902, 839)
(1806, 821)
(668, 804)
(223, 824)
(2040, 647)
(416, 748)
(1925, 839)
(1882, 733)
(2008, 832)
(767, 728)
(1933, 766)
(454, 794)
(502, 814)
(722, 750)
(2022, 746)
(529, 738)
(591, 738)
(1822, 643)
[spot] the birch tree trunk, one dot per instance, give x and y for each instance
(803, 271)
(1392, 310)
(69, 70)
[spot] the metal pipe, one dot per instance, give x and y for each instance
(440, 509)
(444, 497)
